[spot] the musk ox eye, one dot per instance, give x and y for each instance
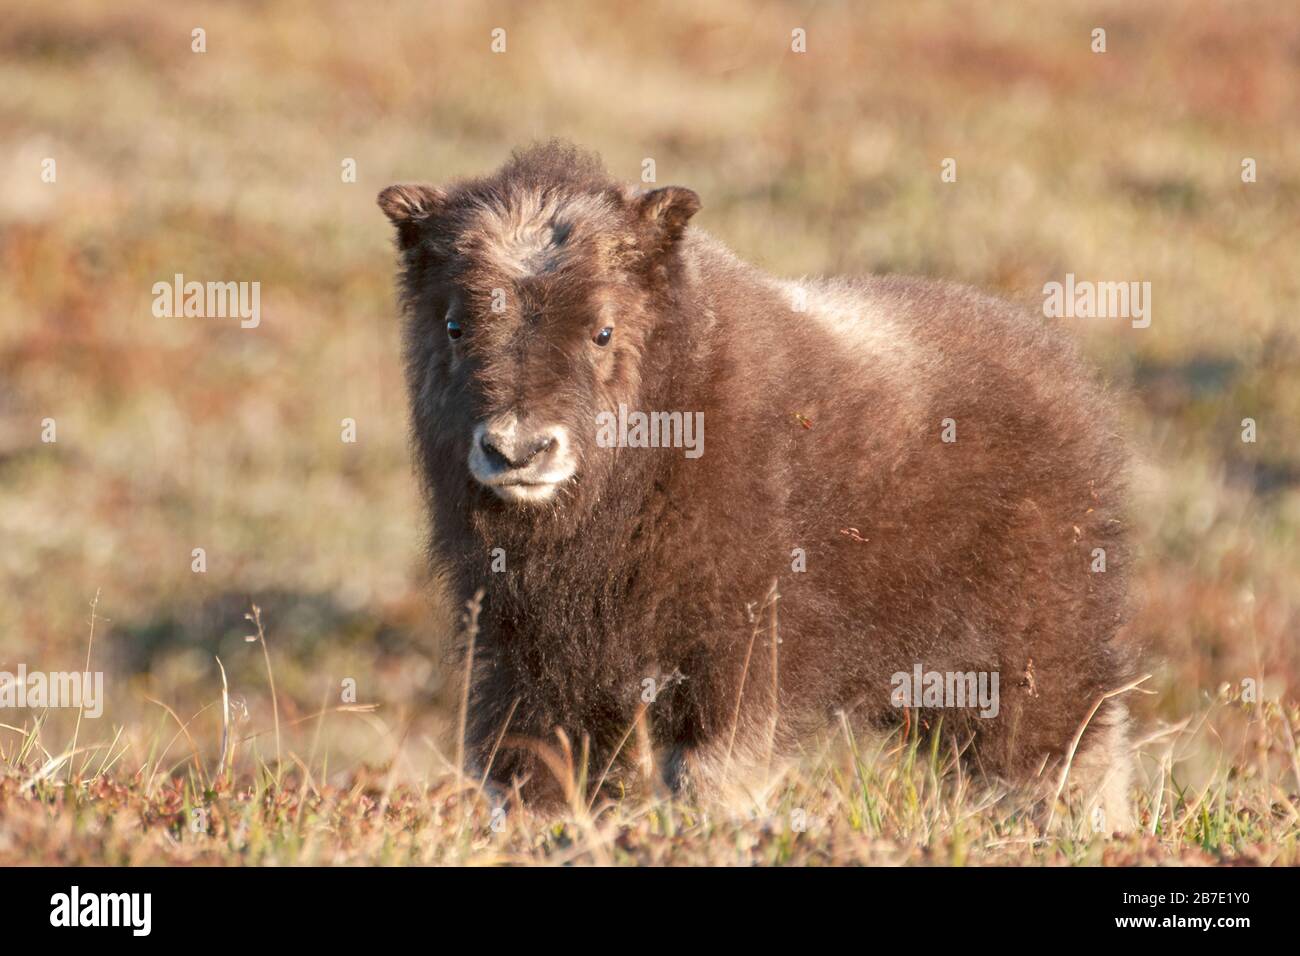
(603, 336)
(453, 329)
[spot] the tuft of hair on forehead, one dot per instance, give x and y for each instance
(542, 209)
(555, 164)
(551, 204)
(526, 230)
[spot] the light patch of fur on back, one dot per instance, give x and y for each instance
(530, 233)
(864, 327)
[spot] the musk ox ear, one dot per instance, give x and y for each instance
(664, 213)
(410, 207)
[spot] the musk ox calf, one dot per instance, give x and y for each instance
(713, 512)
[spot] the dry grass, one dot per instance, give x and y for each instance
(902, 800)
(176, 434)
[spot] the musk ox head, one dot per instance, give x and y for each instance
(534, 299)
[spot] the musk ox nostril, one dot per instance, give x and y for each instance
(534, 451)
(495, 455)
(540, 448)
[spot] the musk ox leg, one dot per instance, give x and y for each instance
(519, 771)
(742, 781)
(1103, 770)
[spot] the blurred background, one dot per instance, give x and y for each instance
(176, 434)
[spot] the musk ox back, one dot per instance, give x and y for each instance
(725, 508)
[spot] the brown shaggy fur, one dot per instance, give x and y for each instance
(823, 406)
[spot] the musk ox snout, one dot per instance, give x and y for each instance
(520, 460)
